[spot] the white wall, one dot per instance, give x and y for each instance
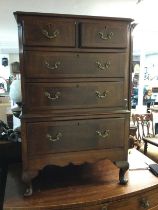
(4, 70)
(8, 25)
(13, 57)
(146, 11)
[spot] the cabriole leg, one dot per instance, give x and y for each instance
(123, 166)
(27, 179)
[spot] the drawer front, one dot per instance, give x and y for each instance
(46, 31)
(104, 34)
(141, 201)
(59, 65)
(46, 96)
(77, 135)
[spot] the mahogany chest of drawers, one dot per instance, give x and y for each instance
(75, 74)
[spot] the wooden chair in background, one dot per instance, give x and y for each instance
(145, 129)
(133, 137)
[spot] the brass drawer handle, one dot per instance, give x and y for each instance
(145, 203)
(56, 96)
(49, 33)
(103, 134)
(52, 67)
(103, 66)
(99, 95)
(58, 137)
(105, 36)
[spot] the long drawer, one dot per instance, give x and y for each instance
(74, 135)
(59, 65)
(46, 96)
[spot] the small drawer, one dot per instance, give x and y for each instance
(57, 96)
(104, 34)
(74, 135)
(47, 31)
(70, 65)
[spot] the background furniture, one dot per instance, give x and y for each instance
(75, 73)
(133, 141)
(86, 187)
(146, 134)
(4, 109)
(10, 152)
(3, 175)
(144, 124)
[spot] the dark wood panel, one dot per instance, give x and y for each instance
(49, 32)
(104, 34)
(68, 136)
(77, 158)
(136, 202)
(61, 65)
(46, 96)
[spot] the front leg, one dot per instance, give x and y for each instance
(27, 177)
(123, 166)
(29, 190)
